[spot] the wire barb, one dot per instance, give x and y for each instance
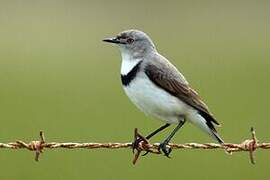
(36, 146)
(250, 145)
(142, 146)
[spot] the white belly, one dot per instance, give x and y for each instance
(154, 101)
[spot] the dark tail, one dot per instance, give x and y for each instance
(209, 122)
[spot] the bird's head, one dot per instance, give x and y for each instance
(133, 42)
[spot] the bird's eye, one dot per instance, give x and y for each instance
(130, 40)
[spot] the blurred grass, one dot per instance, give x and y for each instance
(57, 75)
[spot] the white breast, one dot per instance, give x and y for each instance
(128, 63)
(154, 101)
(149, 98)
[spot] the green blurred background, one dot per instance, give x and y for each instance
(57, 75)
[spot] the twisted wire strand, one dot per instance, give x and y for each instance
(39, 146)
(71, 145)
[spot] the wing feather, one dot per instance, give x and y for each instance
(173, 82)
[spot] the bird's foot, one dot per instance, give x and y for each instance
(166, 150)
(136, 143)
(140, 144)
(138, 139)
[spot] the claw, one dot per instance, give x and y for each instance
(145, 153)
(165, 150)
(137, 140)
(136, 143)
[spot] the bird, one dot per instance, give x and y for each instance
(158, 88)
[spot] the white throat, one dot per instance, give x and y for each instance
(128, 62)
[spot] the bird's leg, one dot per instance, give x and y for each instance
(163, 145)
(138, 139)
(157, 131)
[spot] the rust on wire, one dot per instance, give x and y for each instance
(36, 146)
(249, 145)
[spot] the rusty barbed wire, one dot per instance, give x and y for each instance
(39, 146)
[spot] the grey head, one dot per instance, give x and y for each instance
(133, 42)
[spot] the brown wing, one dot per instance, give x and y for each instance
(173, 82)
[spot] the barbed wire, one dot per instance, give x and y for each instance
(249, 145)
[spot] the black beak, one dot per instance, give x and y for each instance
(112, 40)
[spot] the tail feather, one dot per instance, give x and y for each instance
(208, 117)
(214, 131)
(218, 138)
(206, 126)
